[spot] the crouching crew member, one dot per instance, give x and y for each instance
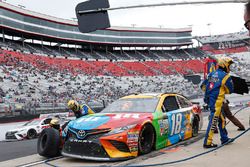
(79, 110)
(54, 123)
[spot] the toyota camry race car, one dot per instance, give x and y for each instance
(128, 127)
(28, 130)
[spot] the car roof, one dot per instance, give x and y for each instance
(39, 119)
(149, 95)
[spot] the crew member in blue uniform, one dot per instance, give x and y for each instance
(217, 84)
(79, 110)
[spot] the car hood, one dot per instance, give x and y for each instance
(108, 120)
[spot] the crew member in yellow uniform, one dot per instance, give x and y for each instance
(79, 110)
(217, 84)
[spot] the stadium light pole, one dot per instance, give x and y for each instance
(209, 28)
(133, 25)
(161, 26)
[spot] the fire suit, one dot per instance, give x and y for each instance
(217, 84)
(79, 111)
(82, 110)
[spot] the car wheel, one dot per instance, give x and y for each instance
(195, 126)
(146, 139)
(48, 143)
(31, 134)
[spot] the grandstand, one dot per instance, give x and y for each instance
(226, 43)
(45, 61)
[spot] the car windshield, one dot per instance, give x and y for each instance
(132, 105)
(32, 122)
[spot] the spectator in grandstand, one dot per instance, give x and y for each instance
(247, 16)
(79, 110)
(217, 84)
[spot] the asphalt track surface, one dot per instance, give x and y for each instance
(23, 153)
(21, 149)
(17, 149)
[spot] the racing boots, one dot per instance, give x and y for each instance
(210, 146)
(241, 129)
(230, 140)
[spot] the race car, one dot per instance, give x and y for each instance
(130, 126)
(29, 130)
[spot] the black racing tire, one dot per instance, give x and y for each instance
(146, 139)
(48, 144)
(195, 126)
(31, 134)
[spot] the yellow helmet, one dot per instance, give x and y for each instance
(73, 105)
(54, 121)
(225, 63)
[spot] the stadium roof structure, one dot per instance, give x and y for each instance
(15, 21)
(239, 36)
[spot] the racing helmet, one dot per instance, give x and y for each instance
(73, 105)
(55, 123)
(224, 63)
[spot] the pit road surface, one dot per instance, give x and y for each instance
(235, 154)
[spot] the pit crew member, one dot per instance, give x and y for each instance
(79, 110)
(217, 84)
